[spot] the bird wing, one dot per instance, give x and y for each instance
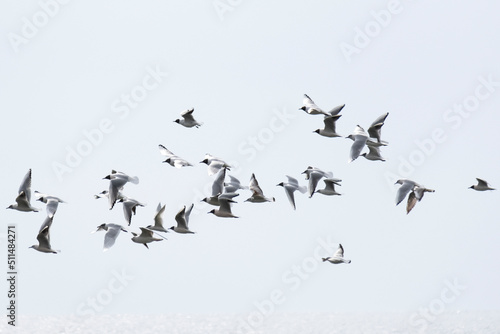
(218, 185)
(158, 217)
(51, 207)
(188, 114)
(224, 205)
(314, 178)
(26, 186)
(357, 146)
(180, 218)
(111, 235)
(164, 151)
(330, 122)
(336, 110)
(375, 129)
(481, 182)
(46, 223)
(145, 233)
(339, 252)
(188, 213)
(43, 238)
(289, 190)
(254, 186)
(405, 188)
(412, 201)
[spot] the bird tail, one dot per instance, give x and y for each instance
(134, 180)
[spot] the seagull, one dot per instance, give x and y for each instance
(43, 238)
(224, 210)
(416, 196)
(172, 159)
(481, 185)
(112, 232)
(373, 154)
(158, 226)
(182, 219)
(145, 237)
(329, 189)
(188, 120)
(311, 108)
(129, 207)
(360, 137)
(314, 174)
(338, 257)
(257, 193)
(117, 181)
(219, 191)
(51, 201)
(24, 196)
(290, 187)
(214, 164)
(329, 129)
(375, 129)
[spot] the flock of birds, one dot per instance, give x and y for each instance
(225, 187)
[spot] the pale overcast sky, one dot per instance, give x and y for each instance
(87, 87)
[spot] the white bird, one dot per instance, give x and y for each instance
(188, 120)
(117, 181)
(51, 202)
(145, 237)
(338, 257)
(219, 191)
(314, 174)
(214, 164)
(375, 129)
(329, 129)
(43, 238)
(129, 208)
(24, 196)
(481, 185)
(290, 187)
(417, 193)
(373, 154)
(112, 232)
(359, 137)
(257, 193)
(329, 189)
(182, 219)
(158, 226)
(224, 211)
(172, 159)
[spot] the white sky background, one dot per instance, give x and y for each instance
(236, 73)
